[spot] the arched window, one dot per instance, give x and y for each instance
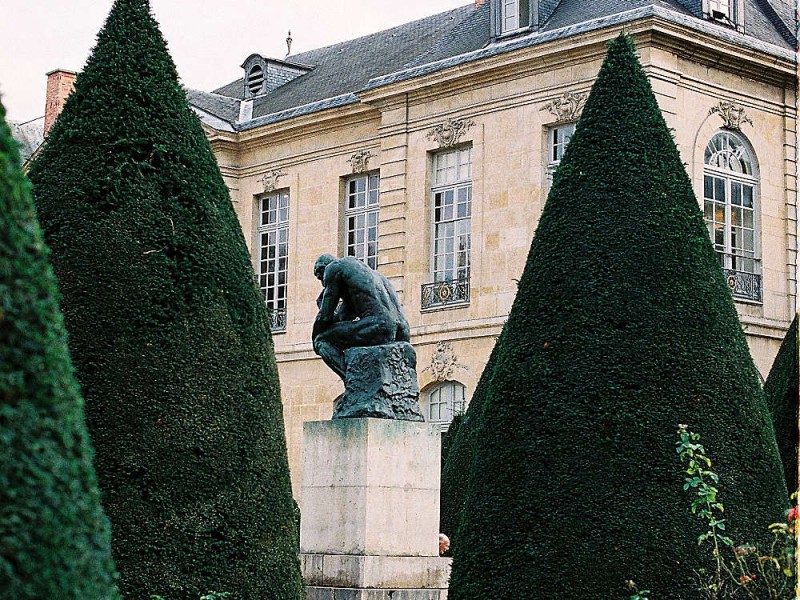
(443, 402)
(730, 188)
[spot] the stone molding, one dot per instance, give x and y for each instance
(733, 115)
(360, 161)
(449, 133)
(271, 178)
(567, 107)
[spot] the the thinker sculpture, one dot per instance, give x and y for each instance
(361, 334)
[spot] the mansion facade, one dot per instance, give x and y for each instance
(427, 151)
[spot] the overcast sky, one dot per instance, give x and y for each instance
(208, 39)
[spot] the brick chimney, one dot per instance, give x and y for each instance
(479, 2)
(59, 86)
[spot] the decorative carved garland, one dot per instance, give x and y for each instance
(568, 107)
(449, 133)
(360, 161)
(733, 115)
(443, 362)
(270, 179)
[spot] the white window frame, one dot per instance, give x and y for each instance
(725, 7)
(361, 217)
(443, 402)
(730, 175)
(451, 204)
(558, 138)
(273, 254)
(510, 15)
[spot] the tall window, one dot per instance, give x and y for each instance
(361, 218)
(273, 264)
(444, 402)
(452, 210)
(514, 14)
(729, 195)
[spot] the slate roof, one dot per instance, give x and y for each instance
(28, 135)
(459, 36)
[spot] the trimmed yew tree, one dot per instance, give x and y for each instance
(460, 454)
(169, 335)
(55, 541)
(783, 395)
(622, 329)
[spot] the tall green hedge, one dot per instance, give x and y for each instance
(169, 334)
(783, 395)
(460, 453)
(622, 329)
(55, 541)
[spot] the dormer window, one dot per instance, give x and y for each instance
(719, 9)
(725, 12)
(515, 14)
(264, 75)
(255, 79)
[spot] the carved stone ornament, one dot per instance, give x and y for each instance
(443, 362)
(270, 179)
(568, 107)
(360, 161)
(449, 133)
(733, 115)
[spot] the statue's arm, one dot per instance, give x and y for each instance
(330, 300)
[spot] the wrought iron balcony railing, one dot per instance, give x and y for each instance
(743, 285)
(278, 316)
(441, 294)
(743, 275)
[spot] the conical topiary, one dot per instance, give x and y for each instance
(460, 454)
(622, 329)
(783, 395)
(169, 335)
(55, 541)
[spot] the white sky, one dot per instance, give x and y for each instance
(208, 39)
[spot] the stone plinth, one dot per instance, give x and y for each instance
(380, 382)
(370, 487)
(370, 511)
(376, 572)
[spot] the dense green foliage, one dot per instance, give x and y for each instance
(622, 329)
(458, 460)
(55, 541)
(168, 332)
(449, 435)
(783, 395)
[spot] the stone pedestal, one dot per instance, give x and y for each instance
(370, 511)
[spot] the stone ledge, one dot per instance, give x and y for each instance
(328, 593)
(376, 572)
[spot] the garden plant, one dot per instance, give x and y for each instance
(55, 541)
(623, 326)
(168, 331)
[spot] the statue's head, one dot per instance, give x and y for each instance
(322, 262)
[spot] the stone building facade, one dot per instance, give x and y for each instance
(427, 150)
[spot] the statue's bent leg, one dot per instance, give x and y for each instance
(331, 355)
(369, 331)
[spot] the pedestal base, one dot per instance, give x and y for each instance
(370, 511)
(351, 571)
(324, 593)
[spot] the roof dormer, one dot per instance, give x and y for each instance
(512, 17)
(263, 75)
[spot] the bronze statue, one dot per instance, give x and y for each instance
(361, 334)
(357, 307)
